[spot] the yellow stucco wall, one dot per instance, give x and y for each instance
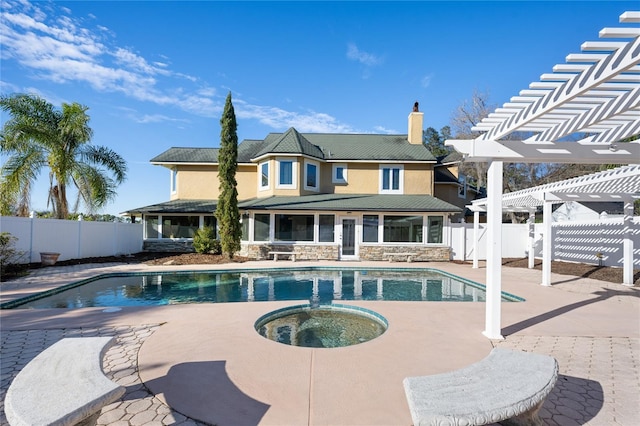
(201, 182)
(418, 179)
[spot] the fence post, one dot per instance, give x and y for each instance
(476, 233)
(31, 216)
(80, 217)
(531, 224)
(627, 244)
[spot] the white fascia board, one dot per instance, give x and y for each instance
(585, 57)
(546, 151)
(619, 33)
(601, 46)
(573, 68)
(181, 163)
(630, 17)
(583, 196)
(560, 77)
(529, 92)
(537, 85)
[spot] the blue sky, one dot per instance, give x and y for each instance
(155, 74)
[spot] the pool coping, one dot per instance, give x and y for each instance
(12, 304)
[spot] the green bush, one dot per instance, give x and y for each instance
(10, 258)
(204, 241)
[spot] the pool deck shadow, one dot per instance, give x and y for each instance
(204, 355)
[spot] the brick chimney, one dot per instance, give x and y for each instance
(416, 120)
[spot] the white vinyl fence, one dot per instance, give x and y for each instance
(73, 239)
(592, 242)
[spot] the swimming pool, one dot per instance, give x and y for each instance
(318, 285)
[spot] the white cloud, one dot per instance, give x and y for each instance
(61, 50)
(426, 80)
(51, 44)
(365, 58)
(279, 119)
(381, 129)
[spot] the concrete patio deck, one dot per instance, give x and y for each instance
(187, 364)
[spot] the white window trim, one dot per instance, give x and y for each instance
(173, 180)
(294, 172)
(400, 189)
(317, 166)
(334, 179)
(260, 186)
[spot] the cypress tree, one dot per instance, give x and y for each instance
(227, 212)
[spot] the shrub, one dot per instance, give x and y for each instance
(9, 256)
(204, 241)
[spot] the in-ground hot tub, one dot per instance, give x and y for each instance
(323, 326)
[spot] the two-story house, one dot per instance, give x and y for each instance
(322, 196)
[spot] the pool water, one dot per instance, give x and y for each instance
(316, 285)
(333, 326)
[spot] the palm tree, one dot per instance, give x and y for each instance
(38, 135)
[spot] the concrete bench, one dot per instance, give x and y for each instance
(63, 385)
(506, 385)
(391, 255)
(283, 253)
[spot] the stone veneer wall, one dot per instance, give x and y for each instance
(168, 246)
(423, 253)
(302, 251)
(311, 251)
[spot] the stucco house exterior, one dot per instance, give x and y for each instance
(319, 195)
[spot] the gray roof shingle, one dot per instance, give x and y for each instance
(352, 202)
(318, 202)
(327, 146)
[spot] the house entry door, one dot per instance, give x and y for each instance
(348, 239)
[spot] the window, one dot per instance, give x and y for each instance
(462, 189)
(151, 226)
(370, 228)
(326, 228)
(339, 173)
(311, 177)
(291, 227)
(391, 179)
(434, 231)
(402, 229)
(180, 226)
(264, 175)
(286, 174)
(174, 181)
(245, 227)
(261, 224)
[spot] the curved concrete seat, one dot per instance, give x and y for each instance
(63, 385)
(507, 386)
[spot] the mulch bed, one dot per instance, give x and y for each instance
(601, 273)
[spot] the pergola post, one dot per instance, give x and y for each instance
(494, 251)
(532, 227)
(627, 245)
(546, 242)
(476, 235)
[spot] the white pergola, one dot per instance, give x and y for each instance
(621, 184)
(579, 113)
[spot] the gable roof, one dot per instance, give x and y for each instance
(289, 142)
(323, 146)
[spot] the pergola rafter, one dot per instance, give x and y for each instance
(582, 112)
